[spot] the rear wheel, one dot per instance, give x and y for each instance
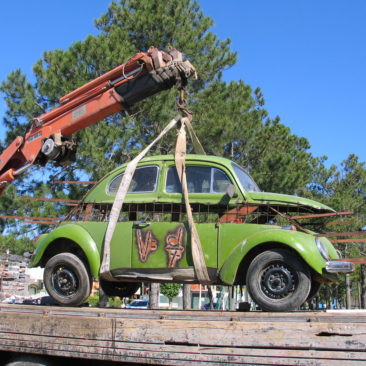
(67, 280)
(278, 281)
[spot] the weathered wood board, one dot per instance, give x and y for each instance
(186, 337)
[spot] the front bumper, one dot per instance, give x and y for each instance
(335, 266)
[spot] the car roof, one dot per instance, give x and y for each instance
(92, 195)
(170, 157)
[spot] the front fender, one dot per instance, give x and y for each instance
(79, 236)
(303, 244)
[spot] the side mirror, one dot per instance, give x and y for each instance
(231, 191)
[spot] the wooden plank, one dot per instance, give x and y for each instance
(237, 213)
(257, 316)
(120, 350)
(295, 335)
(29, 218)
(352, 260)
(186, 337)
(360, 240)
(88, 210)
(259, 352)
(219, 315)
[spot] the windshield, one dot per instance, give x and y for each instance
(245, 179)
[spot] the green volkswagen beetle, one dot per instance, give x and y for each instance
(248, 237)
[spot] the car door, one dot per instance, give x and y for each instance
(142, 189)
(161, 248)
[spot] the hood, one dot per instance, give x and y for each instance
(284, 199)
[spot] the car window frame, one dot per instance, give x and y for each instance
(212, 172)
(137, 192)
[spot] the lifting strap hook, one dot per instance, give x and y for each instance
(182, 105)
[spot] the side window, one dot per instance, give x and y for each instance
(144, 180)
(220, 181)
(172, 184)
(199, 180)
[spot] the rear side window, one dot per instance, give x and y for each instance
(144, 181)
(199, 180)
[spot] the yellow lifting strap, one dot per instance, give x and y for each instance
(180, 154)
(180, 163)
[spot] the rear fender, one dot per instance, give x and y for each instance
(79, 236)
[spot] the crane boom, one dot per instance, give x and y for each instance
(50, 135)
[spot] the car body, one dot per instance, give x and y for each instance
(138, 304)
(245, 236)
(207, 306)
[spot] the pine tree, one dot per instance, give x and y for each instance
(230, 119)
(126, 28)
(343, 189)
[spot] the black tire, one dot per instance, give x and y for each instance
(315, 288)
(120, 289)
(67, 280)
(278, 281)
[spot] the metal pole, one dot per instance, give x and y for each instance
(199, 300)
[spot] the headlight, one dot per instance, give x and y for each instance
(322, 249)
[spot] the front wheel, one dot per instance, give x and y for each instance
(67, 279)
(278, 281)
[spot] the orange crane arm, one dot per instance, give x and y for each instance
(49, 137)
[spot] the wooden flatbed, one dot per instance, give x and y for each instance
(186, 337)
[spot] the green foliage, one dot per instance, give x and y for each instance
(231, 122)
(170, 290)
(126, 28)
(343, 189)
(22, 105)
(229, 118)
(180, 23)
(93, 300)
(113, 302)
(15, 245)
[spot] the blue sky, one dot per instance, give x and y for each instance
(308, 57)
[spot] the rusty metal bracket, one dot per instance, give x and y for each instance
(290, 219)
